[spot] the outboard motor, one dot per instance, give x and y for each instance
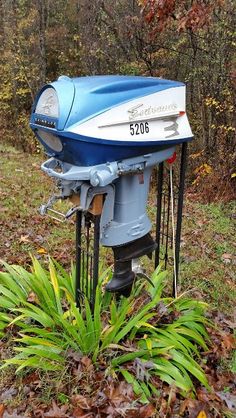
(104, 135)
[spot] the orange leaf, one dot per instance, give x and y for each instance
(2, 409)
(202, 414)
(228, 341)
(196, 155)
(41, 251)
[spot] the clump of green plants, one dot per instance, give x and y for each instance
(144, 337)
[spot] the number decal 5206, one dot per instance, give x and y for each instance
(139, 128)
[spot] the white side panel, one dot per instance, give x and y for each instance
(151, 118)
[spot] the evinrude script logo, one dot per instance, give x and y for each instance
(135, 112)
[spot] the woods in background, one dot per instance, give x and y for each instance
(185, 40)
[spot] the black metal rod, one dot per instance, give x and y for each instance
(163, 218)
(95, 258)
(87, 290)
(183, 165)
(171, 235)
(83, 290)
(158, 212)
(91, 278)
(78, 257)
(167, 224)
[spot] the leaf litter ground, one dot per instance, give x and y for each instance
(208, 265)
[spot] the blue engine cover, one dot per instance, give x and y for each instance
(99, 119)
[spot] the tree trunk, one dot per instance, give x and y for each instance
(42, 39)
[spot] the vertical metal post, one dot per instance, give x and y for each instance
(86, 278)
(158, 212)
(95, 272)
(87, 258)
(167, 224)
(183, 164)
(78, 257)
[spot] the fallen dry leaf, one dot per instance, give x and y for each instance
(24, 239)
(147, 411)
(196, 155)
(32, 298)
(227, 256)
(81, 402)
(229, 399)
(79, 413)
(31, 378)
(86, 361)
(193, 407)
(2, 409)
(74, 355)
(202, 414)
(118, 394)
(204, 395)
(56, 412)
(8, 394)
(228, 341)
(41, 251)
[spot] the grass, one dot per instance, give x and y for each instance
(23, 189)
(208, 252)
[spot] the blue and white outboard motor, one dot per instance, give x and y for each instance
(104, 135)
